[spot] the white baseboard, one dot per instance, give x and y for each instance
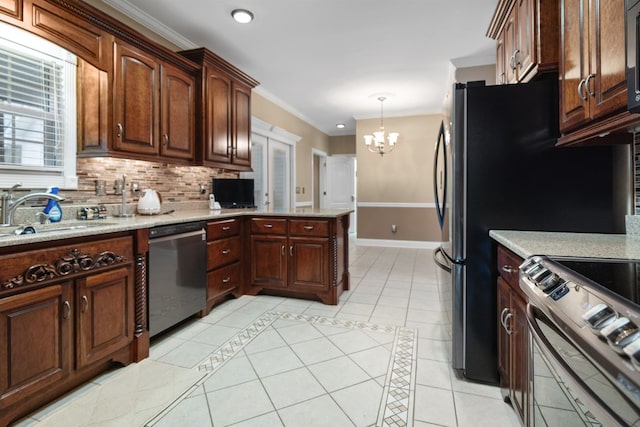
(398, 243)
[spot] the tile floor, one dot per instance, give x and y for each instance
(380, 357)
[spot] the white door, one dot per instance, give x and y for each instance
(278, 194)
(271, 164)
(341, 185)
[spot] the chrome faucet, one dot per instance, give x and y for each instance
(123, 207)
(8, 205)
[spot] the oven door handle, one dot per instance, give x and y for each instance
(592, 401)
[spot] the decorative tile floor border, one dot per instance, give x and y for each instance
(399, 388)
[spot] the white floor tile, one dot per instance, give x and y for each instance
(374, 361)
(188, 354)
(360, 402)
(267, 420)
(236, 371)
(317, 350)
(478, 411)
(274, 361)
(338, 373)
(289, 388)
(299, 333)
(319, 412)
(353, 341)
(267, 340)
(190, 412)
(434, 405)
(233, 404)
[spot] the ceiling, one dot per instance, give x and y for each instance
(327, 61)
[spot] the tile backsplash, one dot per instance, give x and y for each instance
(174, 182)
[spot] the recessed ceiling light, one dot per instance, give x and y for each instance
(340, 125)
(242, 16)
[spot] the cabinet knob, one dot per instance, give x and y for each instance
(120, 129)
(581, 93)
(507, 324)
(586, 85)
(67, 310)
(509, 269)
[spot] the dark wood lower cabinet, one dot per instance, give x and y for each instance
(66, 314)
(299, 257)
(513, 336)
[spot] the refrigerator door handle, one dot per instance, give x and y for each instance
(442, 260)
(441, 205)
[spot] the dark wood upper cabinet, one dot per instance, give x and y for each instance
(592, 67)
(526, 33)
(178, 125)
(136, 100)
(224, 111)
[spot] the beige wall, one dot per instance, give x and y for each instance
(402, 176)
(484, 72)
(345, 144)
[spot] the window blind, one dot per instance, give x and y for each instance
(32, 106)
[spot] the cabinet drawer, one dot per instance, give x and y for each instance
(302, 227)
(223, 280)
(508, 264)
(224, 228)
(269, 225)
(223, 252)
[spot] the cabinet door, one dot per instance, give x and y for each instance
(136, 103)
(241, 125)
(501, 56)
(526, 57)
(104, 304)
(218, 116)
(503, 337)
(178, 115)
(608, 86)
(511, 46)
(519, 357)
(268, 261)
(309, 264)
(35, 335)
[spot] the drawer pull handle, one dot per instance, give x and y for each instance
(282, 250)
(308, 227)
(120, 129)
(85, 304)
(291, 250)
(504, 311)
(226, 280)
(226, 228)
(268, 226)
(226, 251)
(507, 323)
(508, 269)
(67, 310)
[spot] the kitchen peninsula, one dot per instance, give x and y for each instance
(77, 291)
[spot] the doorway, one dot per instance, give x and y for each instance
(341, 175)
(272, 160)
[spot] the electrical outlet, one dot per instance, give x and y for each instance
(394, 228)
(297, 190)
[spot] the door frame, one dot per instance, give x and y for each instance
(269, 131)
(322, 177)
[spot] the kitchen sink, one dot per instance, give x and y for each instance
(52, 228)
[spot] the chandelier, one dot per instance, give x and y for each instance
(376, 142)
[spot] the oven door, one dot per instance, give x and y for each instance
(568, 388)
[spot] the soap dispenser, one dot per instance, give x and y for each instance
(53, 209)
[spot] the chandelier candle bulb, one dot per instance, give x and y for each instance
(379, 146)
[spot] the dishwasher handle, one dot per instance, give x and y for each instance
(179, 236)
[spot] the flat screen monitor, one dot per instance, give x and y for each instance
(234, 192)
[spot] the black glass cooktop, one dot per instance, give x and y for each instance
(618, 276)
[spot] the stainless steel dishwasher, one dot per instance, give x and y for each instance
(177, 274)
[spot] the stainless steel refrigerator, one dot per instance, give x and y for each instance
(501, 170)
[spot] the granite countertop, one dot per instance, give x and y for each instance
(527, 243)
(112, 224)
